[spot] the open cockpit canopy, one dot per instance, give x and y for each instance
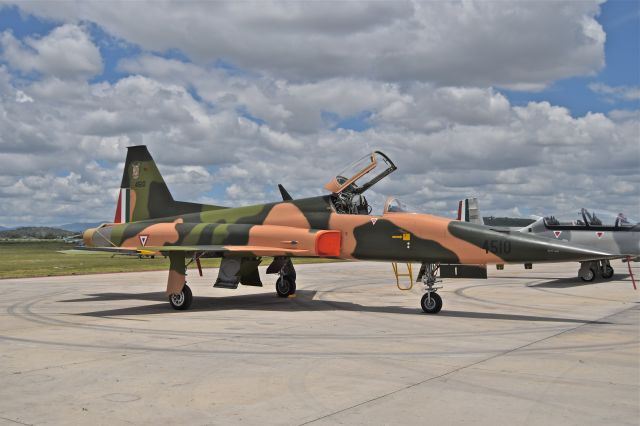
(362, 174)
(348, 186)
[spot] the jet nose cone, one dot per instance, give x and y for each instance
(568, 251)
(541, 249)
(87, 237)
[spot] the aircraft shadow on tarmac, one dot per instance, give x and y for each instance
(304, 302)
(576, 282)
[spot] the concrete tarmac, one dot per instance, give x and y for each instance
(533, 347)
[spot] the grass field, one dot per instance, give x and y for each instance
(44, 258)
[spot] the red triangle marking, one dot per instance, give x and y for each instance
(599, 234)
(557, 233)
(374, 220)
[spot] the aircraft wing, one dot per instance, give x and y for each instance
(257, 250)
(157, 250)
(261, 240)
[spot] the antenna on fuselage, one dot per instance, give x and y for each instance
(285, 195)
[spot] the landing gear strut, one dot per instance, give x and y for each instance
(431, 302)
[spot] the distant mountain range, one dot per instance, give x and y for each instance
(45, 232)
(39, 232)
(73, 227)
(78, 226)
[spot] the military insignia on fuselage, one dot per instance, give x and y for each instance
(135, 170)
(599, 234)
(557, 233)
(143, 239)
(374, 220)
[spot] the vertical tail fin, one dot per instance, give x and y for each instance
(468, 211)
(144, 194)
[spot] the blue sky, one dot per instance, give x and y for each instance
(620, 20)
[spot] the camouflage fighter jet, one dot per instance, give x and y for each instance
(612, 233)
(338, 225)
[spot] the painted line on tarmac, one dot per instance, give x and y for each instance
(464, 367)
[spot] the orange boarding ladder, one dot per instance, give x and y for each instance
(409, 274)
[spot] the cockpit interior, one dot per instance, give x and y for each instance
(348, 186)
(589, 219)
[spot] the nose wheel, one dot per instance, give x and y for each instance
(431, 301)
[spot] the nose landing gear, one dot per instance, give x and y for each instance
(431, 302)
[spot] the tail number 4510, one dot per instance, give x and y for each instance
(497, 246)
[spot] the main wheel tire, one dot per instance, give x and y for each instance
(182, 300)
(606, 272)
(589, 276)
(285, 286)
(431, 305)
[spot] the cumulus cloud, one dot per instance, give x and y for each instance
(613, 93)
(450, 43)
(429, 94)
(66, 52)
(511, 156)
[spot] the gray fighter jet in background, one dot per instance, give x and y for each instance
(613, 233)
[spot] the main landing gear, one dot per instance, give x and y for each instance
(182, 300)
(285, 286)
(286, 282)
(589, 270)
(431, 302)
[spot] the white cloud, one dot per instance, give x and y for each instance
(21, 97)
(627, 93)
(534, 156)
(522, 45)
(452, 133)
(66, 52)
